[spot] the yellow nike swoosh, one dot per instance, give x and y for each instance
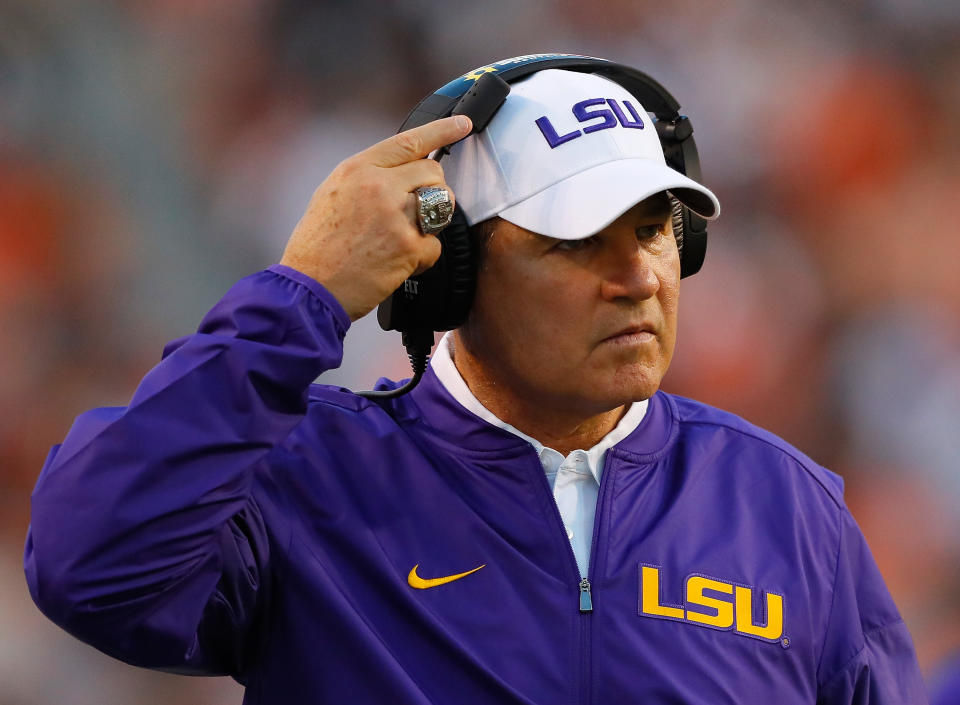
(415, 581)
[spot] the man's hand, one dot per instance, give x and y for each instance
(359, 236)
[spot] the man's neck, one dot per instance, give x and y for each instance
(561, 429)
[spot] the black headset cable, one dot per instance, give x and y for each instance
(418, 343)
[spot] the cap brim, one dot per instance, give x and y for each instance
(590, 200)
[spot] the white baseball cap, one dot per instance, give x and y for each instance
(565, 156)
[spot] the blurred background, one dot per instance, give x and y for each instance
(154, 151)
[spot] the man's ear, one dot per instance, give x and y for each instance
(676, 220)
(481, 234)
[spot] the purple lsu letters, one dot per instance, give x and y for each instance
(611, 117)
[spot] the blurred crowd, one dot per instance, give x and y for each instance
(154, 151)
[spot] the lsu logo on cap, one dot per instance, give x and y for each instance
(718, 604)
(611, 115)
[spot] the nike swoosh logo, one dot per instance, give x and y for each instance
(415, 581)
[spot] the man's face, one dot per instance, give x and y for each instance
(582, 325)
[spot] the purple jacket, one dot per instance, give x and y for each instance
(235, 519)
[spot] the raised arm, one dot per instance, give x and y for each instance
(144, 540)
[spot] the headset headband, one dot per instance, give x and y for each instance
(674, 130)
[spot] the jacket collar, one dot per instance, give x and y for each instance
(431, 407)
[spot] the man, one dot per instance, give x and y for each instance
(535, 523)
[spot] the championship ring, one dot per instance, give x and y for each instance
(434, 209)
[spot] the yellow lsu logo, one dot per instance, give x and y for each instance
(714, 603)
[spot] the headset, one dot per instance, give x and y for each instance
(439, 299)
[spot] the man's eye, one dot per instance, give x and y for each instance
(646, 232)
(574, 245)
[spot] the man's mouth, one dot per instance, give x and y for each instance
(632, 335)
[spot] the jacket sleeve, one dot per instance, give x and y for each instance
(868, 656)
(144, 539)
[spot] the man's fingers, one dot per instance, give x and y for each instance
(430, 249)
(422, 172)
(418, 142)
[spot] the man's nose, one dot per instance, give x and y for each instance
(629, 271)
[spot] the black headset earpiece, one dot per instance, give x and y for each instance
(440, 298)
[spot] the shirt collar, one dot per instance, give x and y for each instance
(449, 376)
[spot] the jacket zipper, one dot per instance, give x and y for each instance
(586, 597)
(584, 588)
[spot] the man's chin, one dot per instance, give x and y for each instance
(608, 397)
(633, 384)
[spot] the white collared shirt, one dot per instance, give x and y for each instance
(575, 479)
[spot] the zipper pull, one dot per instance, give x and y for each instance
(586, 601)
